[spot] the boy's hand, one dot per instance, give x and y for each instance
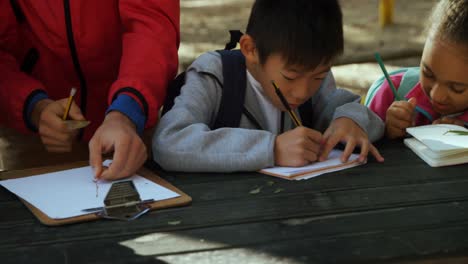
(297, 147)
(47, 117)
(117, 133)
(449, 120)
(345, 130)
(399, 117)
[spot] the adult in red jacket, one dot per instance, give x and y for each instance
(119, 54)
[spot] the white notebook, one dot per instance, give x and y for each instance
(333, 163)
(437, 145)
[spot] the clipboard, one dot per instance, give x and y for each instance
(181, 200)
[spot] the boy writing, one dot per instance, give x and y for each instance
(291, 43)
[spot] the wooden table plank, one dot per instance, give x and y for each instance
(399, 209)
(439, 259)
(369, 248)
(215, 213)
(375, 235)
(401, 166)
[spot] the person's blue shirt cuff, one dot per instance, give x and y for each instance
(130, 108)
(30, 104)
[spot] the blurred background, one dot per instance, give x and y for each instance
(205, 25)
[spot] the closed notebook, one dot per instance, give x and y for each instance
(439, 145)
(333, 163)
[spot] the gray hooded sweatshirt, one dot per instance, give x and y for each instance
(183, 140)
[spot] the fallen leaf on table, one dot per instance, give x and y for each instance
(278, 190)
(255, 191)
(174, 222)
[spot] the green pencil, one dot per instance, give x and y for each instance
(382, 66)
(394, 90)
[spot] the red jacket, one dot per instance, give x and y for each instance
(97, 46)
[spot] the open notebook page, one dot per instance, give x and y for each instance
(66, 193)
(333, 163)
(436, 138)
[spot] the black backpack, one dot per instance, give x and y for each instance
(234, 85)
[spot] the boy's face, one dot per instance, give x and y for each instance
(296, 84)
(444, 75)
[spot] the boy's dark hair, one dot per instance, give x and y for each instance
(449, 21)
(304, 32)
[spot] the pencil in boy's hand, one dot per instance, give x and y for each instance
(285, 103)
(70, 99)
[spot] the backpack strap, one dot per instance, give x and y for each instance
(234, 86)
(173, 91)
(410, 79)
(235, 38)
(377, 84)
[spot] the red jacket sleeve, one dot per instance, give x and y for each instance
(149, 52)
(15, 86)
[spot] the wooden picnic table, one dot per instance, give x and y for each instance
(400, 211)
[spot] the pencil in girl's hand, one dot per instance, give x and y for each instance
(285, 103)
(70, 99)
(394, 90)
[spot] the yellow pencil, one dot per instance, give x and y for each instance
(70, 99)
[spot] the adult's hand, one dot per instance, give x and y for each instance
(47, 117)
(118, 134)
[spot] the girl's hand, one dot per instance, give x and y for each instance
(399, 117)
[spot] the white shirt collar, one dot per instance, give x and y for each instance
(270, 112)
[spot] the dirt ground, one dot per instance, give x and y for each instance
(205, 25)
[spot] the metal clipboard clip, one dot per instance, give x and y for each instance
(122, 202)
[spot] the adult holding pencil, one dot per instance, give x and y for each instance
(119, 55)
